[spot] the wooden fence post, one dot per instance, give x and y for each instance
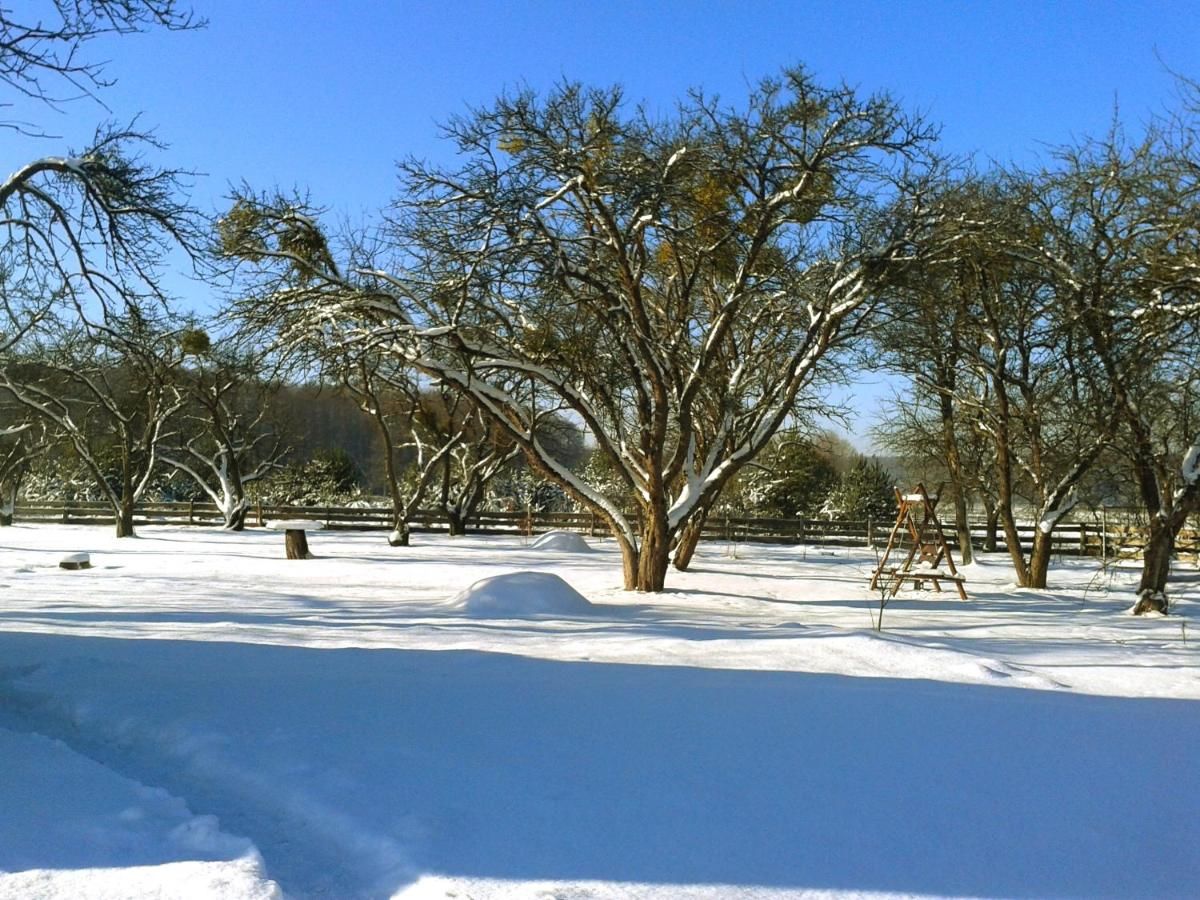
(191, 512)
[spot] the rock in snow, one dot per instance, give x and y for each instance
(519, 594)
(567, 541)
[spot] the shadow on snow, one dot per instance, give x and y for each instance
(355, 771)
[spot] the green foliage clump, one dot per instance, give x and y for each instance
(194, 342)
(866, 490)
(329, 478)
(792, 478)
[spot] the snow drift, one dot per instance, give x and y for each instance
(518, 594)
(566, 541)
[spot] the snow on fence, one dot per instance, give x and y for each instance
(1115, 537)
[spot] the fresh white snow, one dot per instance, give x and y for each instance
(196, 716)
(564, 541)
(516, 595)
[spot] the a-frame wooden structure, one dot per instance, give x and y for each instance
(917, 526)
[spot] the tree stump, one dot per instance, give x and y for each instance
(295, 542)
(74, 561)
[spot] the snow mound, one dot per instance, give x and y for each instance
(567, 541)
(519, 594)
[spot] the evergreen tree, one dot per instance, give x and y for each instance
(866, 490)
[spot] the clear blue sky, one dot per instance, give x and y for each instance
(325, 96)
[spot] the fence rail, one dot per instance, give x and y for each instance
(1116, 538)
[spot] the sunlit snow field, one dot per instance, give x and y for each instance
(196, 716)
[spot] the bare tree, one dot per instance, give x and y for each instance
(223, 438)
(923, 337)
(82, 239)
(44, 53)
(1120, 226)
(109, 391)
(415, 449)
(673, 285)
(21, 444)
(983, 332)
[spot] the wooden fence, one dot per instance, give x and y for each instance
(1115, 537)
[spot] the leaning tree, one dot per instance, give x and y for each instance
(673, 284)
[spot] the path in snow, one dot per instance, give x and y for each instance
(310, 847)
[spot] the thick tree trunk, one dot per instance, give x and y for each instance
(629, 561)
(295, 544)
(237, 519)
(6, 518)
(1004, 503)
(399, 536)
(1156, 567)
(125, 517)
(655, 555)
(689, 539)
(1039, 559)
(125, 503)
(457, 522)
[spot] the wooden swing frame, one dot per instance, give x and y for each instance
(928, 547)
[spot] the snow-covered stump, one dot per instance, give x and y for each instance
(295, 541)
(75, 561)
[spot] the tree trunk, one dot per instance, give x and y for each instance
(125, 517)
(11, 489)
(125, 503)
(1039, 559)
(954, 466)
(689, 539)
(399, 536)
(457, 522)
(629, 563)
(966, 549)
(1156, 567)
(655, 556)
(1013, 539)
(992, 529)
(295, 544)
(237, 519)
(1004, 502)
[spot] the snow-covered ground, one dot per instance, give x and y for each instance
(196, 716)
